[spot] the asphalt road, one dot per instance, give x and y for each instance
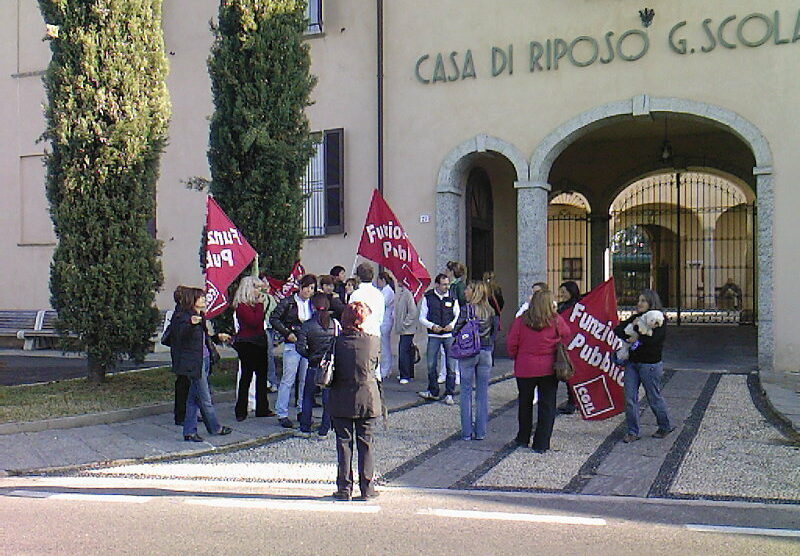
(83, 516)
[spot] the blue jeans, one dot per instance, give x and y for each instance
(475, 372)
(405, 356)
(272, 375)
(434, 344)
(307, 416)
(294, 367)
(648, 375)
(200, 400)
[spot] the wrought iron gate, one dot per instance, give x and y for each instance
(568, 241)
(689, 236)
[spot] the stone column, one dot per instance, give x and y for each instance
(448, 211)
(531, 235)
(598, 238)
(765, 275)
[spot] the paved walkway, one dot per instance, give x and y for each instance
(717, 407)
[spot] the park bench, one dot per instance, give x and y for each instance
(34, 327)
(14, 322)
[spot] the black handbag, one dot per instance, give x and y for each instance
(324, 376)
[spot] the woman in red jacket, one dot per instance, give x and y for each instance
(250, 344)
(532, 343)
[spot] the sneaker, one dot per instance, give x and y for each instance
(224, 430)
(427, 396)
(341, 495)
(441, 380)
(286, 423)
(448, 400)
(661, 433)
(539, 451)
(302, 434)
(193, 438)
(402, 381)
(370, 496)
(628, 438)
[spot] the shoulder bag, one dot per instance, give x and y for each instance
(562, 366)
(324, 376)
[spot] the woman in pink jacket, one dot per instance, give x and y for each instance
(532, 343)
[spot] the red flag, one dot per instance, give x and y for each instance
(227, 255)
(598, 382)
(285, 288)
(385, 242)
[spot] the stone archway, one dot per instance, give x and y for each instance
(642, 106)
(450, 191)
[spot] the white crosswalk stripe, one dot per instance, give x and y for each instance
(503, 516)
(288, 505)
(743, 530)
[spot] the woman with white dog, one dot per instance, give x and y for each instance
(645, 331)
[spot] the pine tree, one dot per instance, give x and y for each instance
(260, 143)
(107, 119)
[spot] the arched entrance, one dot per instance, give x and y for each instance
(476, 210)
(480, 223)
(627, 137)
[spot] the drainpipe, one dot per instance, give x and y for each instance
(380, 95)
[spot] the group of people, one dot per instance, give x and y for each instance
(351, 321)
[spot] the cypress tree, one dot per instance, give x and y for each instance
(260, 143)
(107, 119)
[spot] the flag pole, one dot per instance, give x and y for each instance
(355, 260)
(254, 272)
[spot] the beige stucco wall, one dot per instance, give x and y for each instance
(423, 122)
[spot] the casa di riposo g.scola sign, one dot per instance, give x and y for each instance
(684, 38)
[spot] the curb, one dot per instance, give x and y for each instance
(104, 418)
(765, 406)
(60, 470)
(173, 456)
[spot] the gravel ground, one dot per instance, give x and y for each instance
(410, 432)
(737, 452)
(573, 442)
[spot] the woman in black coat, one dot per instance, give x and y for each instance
(190, 349)
(355, 401)
(313, 342)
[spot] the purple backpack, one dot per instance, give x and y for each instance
(468, 339)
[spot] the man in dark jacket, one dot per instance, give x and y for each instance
(327, 285)
(286, 320)
(339, 275)
(438, 314)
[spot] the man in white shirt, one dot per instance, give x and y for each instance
(372, 297)
(438, 314)
(385, 284)
(537, 286)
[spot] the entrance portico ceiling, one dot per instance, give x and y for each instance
(603, 161)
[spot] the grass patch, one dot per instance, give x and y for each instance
(119, 391)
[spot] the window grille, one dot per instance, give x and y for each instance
(323, 186)
(314, 16)
(314, 190)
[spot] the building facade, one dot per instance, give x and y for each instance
(541, 140)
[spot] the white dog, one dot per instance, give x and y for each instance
(644, 323)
